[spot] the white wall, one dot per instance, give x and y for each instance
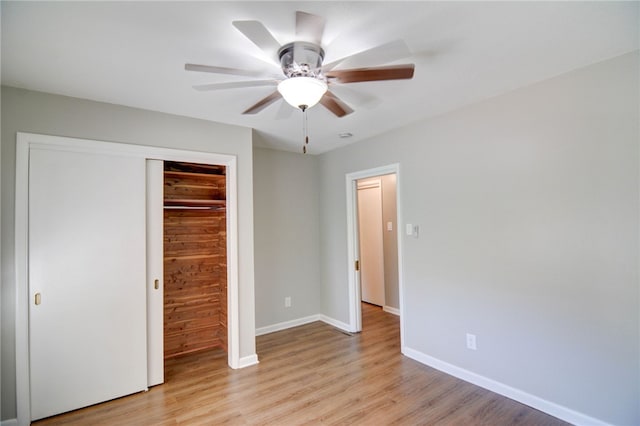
(528, 211)
(35, 112)
(287, 232)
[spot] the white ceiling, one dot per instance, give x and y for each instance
(133, 53)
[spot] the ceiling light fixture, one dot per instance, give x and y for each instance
(302, 92)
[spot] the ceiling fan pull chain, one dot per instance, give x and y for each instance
(305, 128)
(304, 133)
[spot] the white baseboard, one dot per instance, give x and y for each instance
(248, 361)
(286, 324)
(9, 422)
(391, 310)
(543, 405)
(335, 323)
(302, 321)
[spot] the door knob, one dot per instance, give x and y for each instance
(38, 299)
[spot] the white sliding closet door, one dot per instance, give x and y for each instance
(87, 312)
(155, 272)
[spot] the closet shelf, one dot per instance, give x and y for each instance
(196, 175)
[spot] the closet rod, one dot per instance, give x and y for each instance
(194, 207)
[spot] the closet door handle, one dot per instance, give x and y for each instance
(156, 284)
(38, 299)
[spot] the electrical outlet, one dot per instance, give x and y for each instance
(287, 302)
(471, 341)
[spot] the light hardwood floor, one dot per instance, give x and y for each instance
(313, 374)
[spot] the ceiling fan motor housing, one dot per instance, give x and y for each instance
(301, 59)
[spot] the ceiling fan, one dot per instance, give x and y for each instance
(305, 79)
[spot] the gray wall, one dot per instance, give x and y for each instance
(528, 211)
(390, 241)
(287, 232)
(35, 112)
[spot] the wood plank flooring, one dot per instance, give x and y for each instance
(312, 374)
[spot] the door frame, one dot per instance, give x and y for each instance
(24, 143)
(353, 282)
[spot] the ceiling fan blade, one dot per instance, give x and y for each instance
(263, 103)
(383, 54)
(225, 70)
(356, 75)
(335, 105)
(354, 96)
(259, 35)
(309, 27)
(284, 111)
(235, 85)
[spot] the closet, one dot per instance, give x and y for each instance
(195, 256)
(121, 262)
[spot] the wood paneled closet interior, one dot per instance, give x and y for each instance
(195, 258)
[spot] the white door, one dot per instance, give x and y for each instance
(371, 243)
(155, 272)
(87, 313)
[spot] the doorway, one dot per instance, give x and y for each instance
(390, 234)
(371, 241)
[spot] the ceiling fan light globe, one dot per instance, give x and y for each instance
(302, 91)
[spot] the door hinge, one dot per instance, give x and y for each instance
(357, 265)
